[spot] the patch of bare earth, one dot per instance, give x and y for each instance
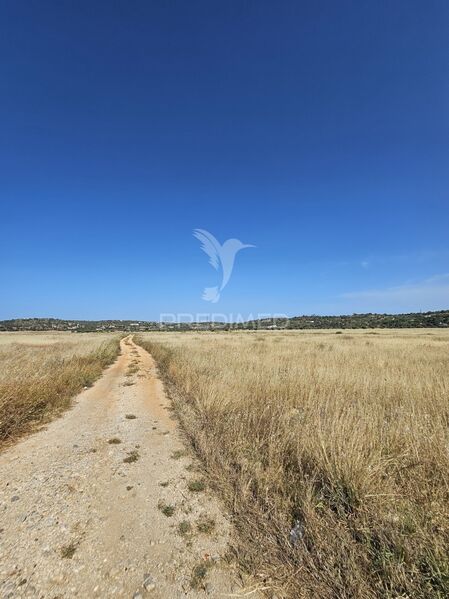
(97, 506)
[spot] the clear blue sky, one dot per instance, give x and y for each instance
(317, 131)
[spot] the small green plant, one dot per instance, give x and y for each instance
(184, 528)
(167, 509)
(196, 486)
(114, 441)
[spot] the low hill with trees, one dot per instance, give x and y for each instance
(438, 319)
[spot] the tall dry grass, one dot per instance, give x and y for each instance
(342, 438)
(40, 373)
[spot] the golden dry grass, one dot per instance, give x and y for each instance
(342, 437)
(40, 373)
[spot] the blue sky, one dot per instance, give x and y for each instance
(317, 131)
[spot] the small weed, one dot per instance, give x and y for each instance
(184, 528)
(132, 456)
(130, 416)
(114, 441)
(167, 509)
(196, 486)
(205, 525)
(199, 573)
(68, 551)
(164, 483)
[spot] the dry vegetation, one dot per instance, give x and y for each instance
(341, 437)
(41, 372)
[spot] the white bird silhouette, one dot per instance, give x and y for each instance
(219, 255)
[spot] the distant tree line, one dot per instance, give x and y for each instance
(353, 321)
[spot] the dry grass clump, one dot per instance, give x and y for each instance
(332, 451)
(132, 457)
(39, 374)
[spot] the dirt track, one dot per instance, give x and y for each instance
(76, 520)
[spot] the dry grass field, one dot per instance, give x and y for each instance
(331, 450)
(41, 372)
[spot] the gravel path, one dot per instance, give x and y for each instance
(86, 504)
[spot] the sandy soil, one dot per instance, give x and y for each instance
(76, 520)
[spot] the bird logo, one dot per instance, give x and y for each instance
(219, 256)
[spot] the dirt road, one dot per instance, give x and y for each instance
(101, 503)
